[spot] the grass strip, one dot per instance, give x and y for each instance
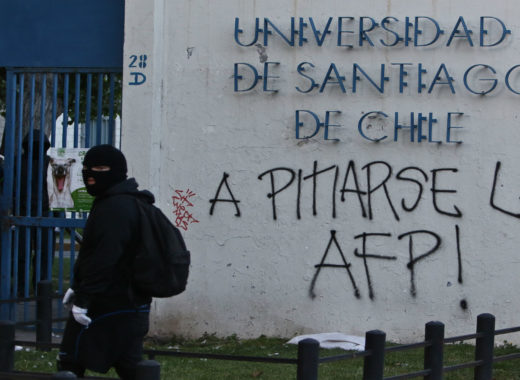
(189, 368)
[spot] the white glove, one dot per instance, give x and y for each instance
(67, 299)
(80, 315)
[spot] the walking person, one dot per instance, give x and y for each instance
(108, 319)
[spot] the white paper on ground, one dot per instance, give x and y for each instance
(334, 340)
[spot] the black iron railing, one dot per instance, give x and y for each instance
(308, 358)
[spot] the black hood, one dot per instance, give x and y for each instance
(129, 186)
(35, 143)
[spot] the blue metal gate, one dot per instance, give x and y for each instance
(63, 61)
(38, 243)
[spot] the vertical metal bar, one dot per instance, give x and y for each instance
(7, 334)
(18, 186)
(60, 264)
(73, 259)
(26, 233)
(19, 146)
(111, 123)
(44, 313)
(15, 264)
(484, 346)
(65, 122)
(29, 184)
(54, 106)
(9, 139)
(99, 110)
(374, 364)
(61, 254)
(7, 195)
(39, 206)
(50, 260)
(88, 108)
(72, 250)
(71, 268)
(308, 359)
(49, 249)
(41, 153)
(59, 308)
(434, 353)
(50, 252)
(77, 98)
(148, 370)
(29, 137)
(17, 141)
(50, 231)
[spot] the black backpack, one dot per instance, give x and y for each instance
(161, 264)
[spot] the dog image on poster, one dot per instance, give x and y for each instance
(65, 182)
(58, 183)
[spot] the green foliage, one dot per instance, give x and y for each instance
(207, 369)
(71, 109)
(95, 83)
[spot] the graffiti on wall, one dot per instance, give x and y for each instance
(414, 257)
(182, 208)
(377, 176)
(377, 179)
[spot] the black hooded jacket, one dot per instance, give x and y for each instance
(103, 269)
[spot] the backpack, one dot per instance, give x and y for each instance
(161, 263)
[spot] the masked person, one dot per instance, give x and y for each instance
(108, 319)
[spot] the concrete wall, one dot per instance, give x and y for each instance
(362, 232)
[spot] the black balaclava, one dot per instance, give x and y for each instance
(103, 155)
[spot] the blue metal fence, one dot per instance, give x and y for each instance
(36, 241)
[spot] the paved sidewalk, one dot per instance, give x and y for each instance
(29, 335)
(28, 312)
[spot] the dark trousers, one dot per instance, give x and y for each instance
(113, 339)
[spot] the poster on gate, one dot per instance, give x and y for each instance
(65, 185)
